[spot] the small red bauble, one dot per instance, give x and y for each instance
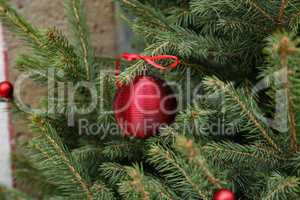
(6, 90)
(144, 105)
(224, 194)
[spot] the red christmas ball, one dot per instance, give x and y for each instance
(224, 194)
(6, 90)
(144, 105)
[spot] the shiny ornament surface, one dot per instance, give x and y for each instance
(144, 105)
(224, 194)
(6, 90)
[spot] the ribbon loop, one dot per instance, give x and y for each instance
(130, 57)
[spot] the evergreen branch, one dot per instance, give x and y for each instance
(19, 25)
(137, 182)
(51, 49)
(56, 53)
(113, 172)
(101, 192)
(77, 19)
(82, 42)
(196, 117)
(175, 175)
(253, 119)
(226, 17)
(115, 150)
(146, 187)
(30, 177)
(280, 187)
(124, 149)
(165, 37)
(106, 62)
(131, 72)
(12, 194)
(35, 66)
(87, 152)
(261, 10)
(193, 156)
(72, 169)
(89, 157)
(244, 155)
(242, 25)
(233, 95)
(183, 16)
(283, 6)
(54, 156)
(144, 12)
(284, 50)
(132, 181)
(295, 163)
(294, 21)
(67, 162)
(63, 54)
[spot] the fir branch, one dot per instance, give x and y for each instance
(132, 182)
(285, 49)
(57, 54)
(208, 50)
(67, 162)
(63, 54)
(101, 192)
(50, 50)
(87, 152)
(194, 157)
(175, 175)
(253, 119)
(106, 62)
(144, 12)
(295, 163)
(28, 176)
(137, 182)
(12, 194)
(283, 6)
(245, 109)
(144, 186)
(113, 172)
(183, 16)
(294, 22)
(283, 188)
(123, 149)
(35, 66)
(19, 25)
(54, 160)
(136, 69)
(241, 25)
(259, 9)
(79, 25)
(72, 169)
(242, 155)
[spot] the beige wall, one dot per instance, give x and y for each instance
(45, 13)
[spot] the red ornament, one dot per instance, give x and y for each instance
(144, 105)
(224, 194)
(6, 90)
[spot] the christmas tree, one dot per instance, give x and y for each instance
(235, 138)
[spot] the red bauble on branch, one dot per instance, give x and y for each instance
(6, 90)
(224, 194)
(147, 103)
(144, 105)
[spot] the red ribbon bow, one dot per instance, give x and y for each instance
(149, 59)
